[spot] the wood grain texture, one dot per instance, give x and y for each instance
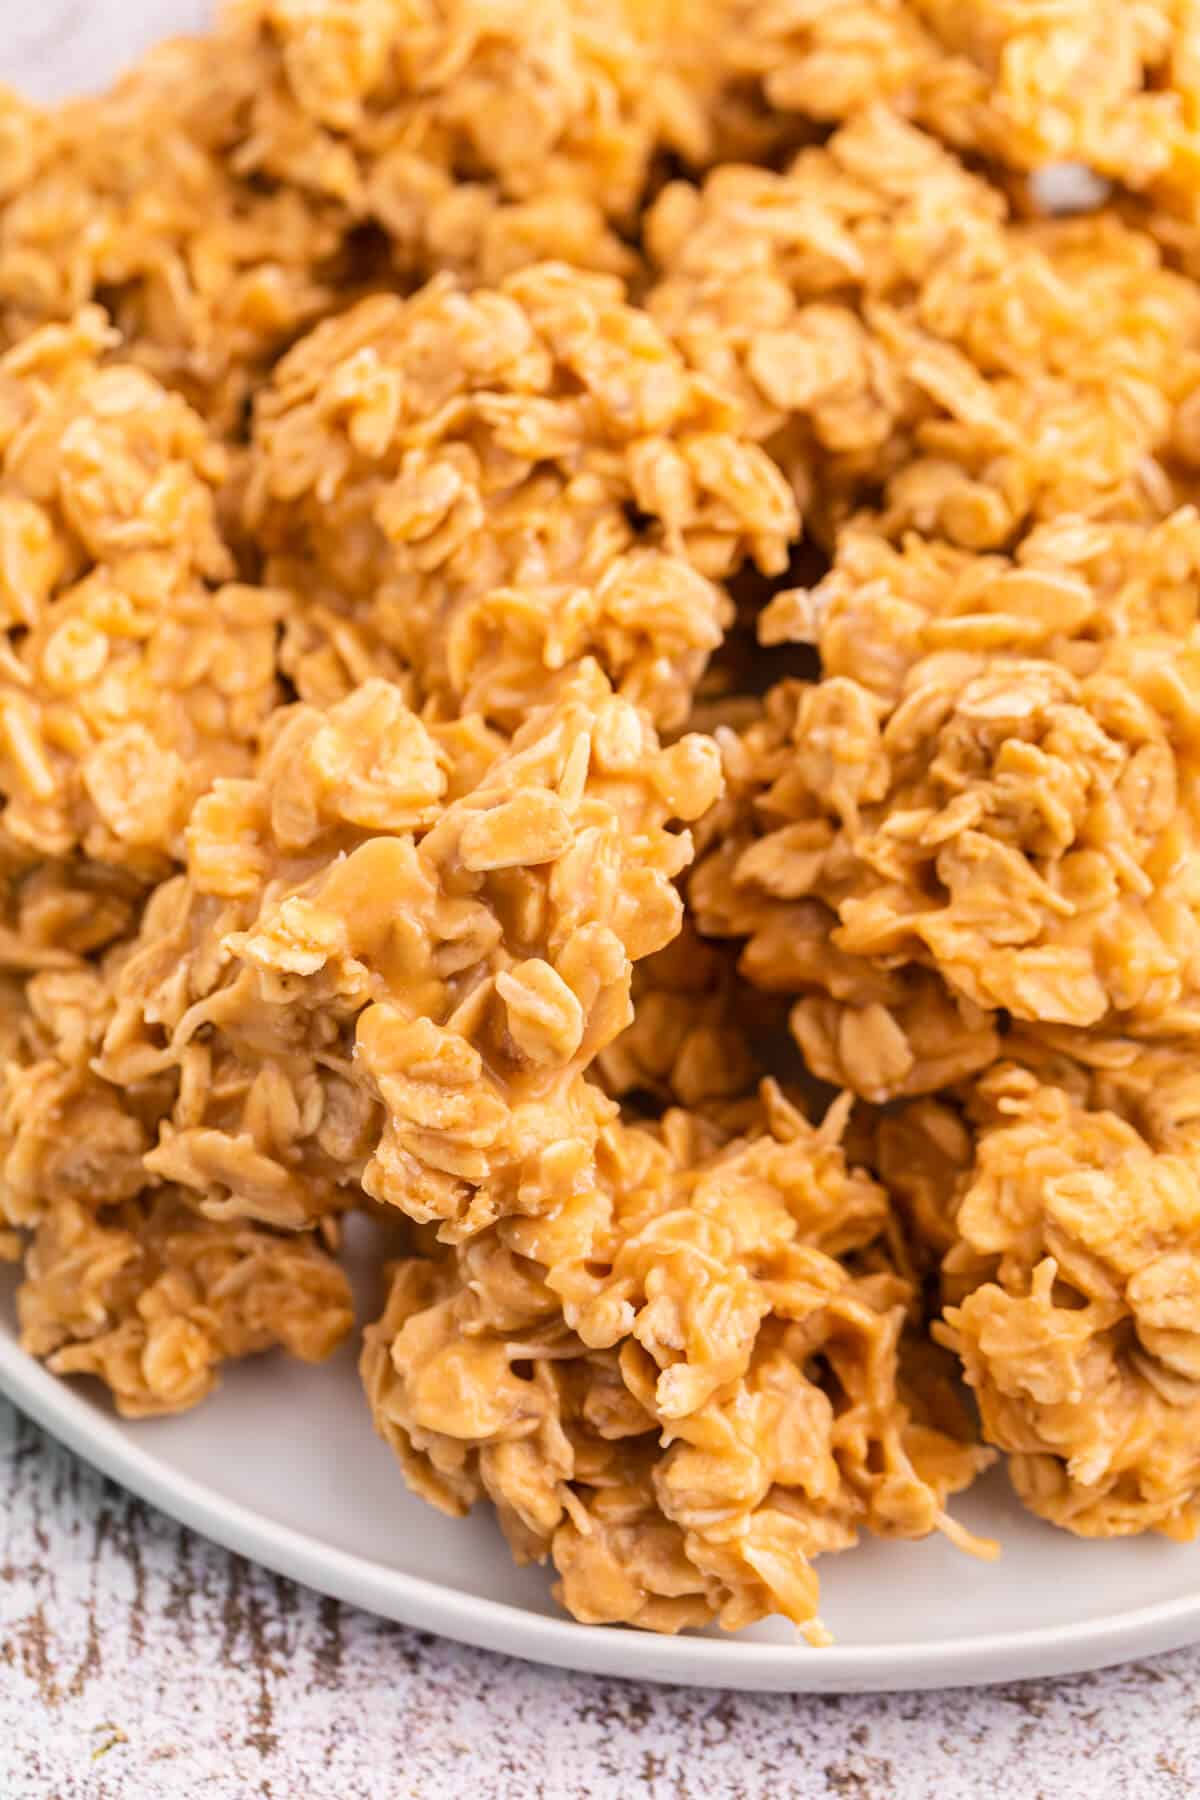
(138, 1662)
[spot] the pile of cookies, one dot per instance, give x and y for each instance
(601, 660)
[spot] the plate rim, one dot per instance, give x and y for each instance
(101, 1440)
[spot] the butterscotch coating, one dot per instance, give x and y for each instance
(896, 337)
(482, 136)
(1074, 1280)
(135, 196)
(1090, 81)
(231, 189)
(497, 483)
(152, 1299)
(134, 670)
(698, 1029)
(986, 811)
(392, 955)
(681, 1386)
(1105, 88)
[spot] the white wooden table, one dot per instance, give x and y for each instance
(138, 1662)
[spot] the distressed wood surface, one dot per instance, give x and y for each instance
(138, 1662)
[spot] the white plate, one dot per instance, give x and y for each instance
(283, 1466)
